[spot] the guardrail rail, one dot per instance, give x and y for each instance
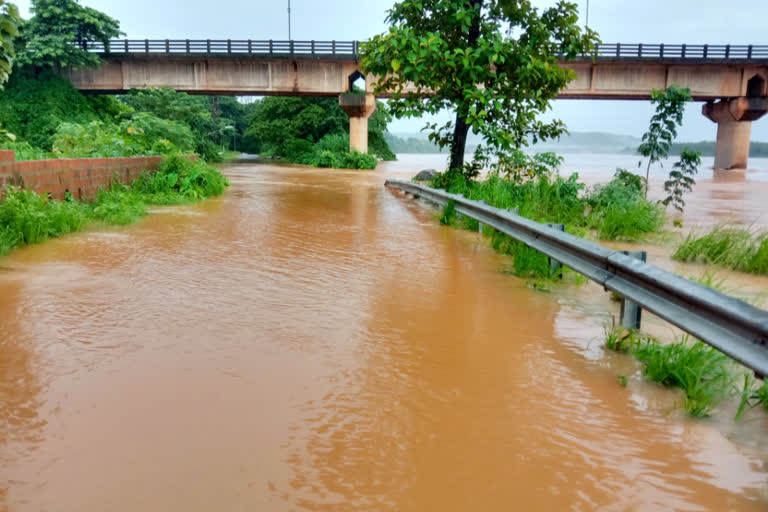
(732, 326)
(351, 49)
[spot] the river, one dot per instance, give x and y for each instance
(313, 341)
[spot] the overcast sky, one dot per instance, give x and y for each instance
(626, 21)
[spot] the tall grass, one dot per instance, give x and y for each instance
(616, 210)
(29, 218)
(736, 248)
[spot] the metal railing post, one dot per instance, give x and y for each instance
(167, 46)
(312, 46)
(640, 50)
(229, 46)
(706, 48)
(631, 313)
(682, 54)
(727, 51)
(146, 45)
(270, 47)
(333, 47)
(125, 43)
(208, 45)
(290, 46)
(749, 51)
(555, 267)
(250, 46)
(661, 50)
(618, 50)
(187, 45)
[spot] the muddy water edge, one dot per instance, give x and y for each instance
(312, 341)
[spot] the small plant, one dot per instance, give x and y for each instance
(449, 214)
(680, 178)
(622, 380)
(657, 141)
(619, 339)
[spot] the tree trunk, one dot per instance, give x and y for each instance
(459, 143)
(461, 128)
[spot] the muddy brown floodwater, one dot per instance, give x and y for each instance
(312, 341)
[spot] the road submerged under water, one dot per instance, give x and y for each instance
(313, 341)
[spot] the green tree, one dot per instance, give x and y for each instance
(56, 34)
(680, 178)
(657, 141)
(493, 62)
(9, 29)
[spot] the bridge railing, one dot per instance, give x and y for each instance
(734, 327)
(351, 49)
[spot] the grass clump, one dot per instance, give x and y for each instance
(735, 248)
(699, 370)
(28, 218)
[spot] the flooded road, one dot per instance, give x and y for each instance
(312, 341)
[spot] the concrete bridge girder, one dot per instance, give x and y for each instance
(619, 78)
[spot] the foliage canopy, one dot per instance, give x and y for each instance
(58, 30)
(493, 62)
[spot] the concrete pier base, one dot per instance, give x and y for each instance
(359, 107)
(734, 125)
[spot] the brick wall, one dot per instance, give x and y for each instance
(83, 177)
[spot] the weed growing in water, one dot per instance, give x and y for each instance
(735, 248)
(619, 339)
(700, 371)
(449, 214)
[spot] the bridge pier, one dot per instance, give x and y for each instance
(359, 107)
(734, 124)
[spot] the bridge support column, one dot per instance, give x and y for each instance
(734, 124)
(359, 107)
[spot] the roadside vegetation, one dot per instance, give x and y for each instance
(739, 249)
(706, 376)
(315, 131)
(28, 218)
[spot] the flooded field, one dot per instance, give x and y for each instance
(313, 341)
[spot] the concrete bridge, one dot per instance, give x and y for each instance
(731, 80)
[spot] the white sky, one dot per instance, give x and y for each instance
(625, 21)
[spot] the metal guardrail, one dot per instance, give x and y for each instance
(351, 49)
(734, 327)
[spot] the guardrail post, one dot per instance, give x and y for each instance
(661, 50)
(682, 54)
(167, 46)
(146, 45)
(749, 51)
(312, 46)
(618, 50)
(555, 267)
(208, 45)
(354, 49)
(250, 46)
(291, 46)
(640, 50)
(125, 44)
(333, 47)
(727, 51)
(186, 45)
(706, 48)
(229, 46)
(270, 47)
(631, 312)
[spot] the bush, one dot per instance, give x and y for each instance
(24, 150)
(180, 180)
(142, 134)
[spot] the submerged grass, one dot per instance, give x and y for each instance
(735, 248)
(705, 375)
(28, 218)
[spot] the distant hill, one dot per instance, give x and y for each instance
(575, 142)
